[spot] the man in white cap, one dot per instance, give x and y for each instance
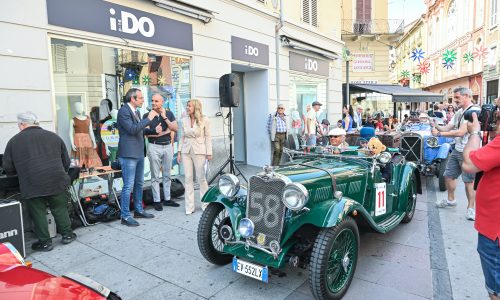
(337, 140)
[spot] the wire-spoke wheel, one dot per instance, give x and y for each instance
(210, 242)
(333, 260)
(412, 200)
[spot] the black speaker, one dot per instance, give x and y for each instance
(229, 90)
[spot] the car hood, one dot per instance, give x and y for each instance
(316, 175)
(21, 282)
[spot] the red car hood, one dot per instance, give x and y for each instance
(18, 282)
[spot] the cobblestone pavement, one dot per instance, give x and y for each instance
(160, 260)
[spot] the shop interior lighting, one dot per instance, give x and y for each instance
(187, 9)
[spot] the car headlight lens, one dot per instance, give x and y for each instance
(229, 185)
(295, 196)
(384, 157)
(246, 228)
(432, 142)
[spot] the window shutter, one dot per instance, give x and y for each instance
(314, 13)
(59, 58)
(262, 1)
(305, 11)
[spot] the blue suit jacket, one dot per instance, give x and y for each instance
(131, 130)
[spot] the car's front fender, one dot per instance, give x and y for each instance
(444, 150)
(235, 206)
(325, 215)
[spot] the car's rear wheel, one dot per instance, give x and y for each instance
(333, 260)
(412, 200)
(442, 181)
(209, 240)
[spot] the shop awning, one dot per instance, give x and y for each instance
(398, 93)
(186, 8)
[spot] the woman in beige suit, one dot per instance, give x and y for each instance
(195, 147)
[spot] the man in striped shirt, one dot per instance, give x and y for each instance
(277, 129)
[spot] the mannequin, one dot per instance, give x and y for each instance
(109, 135)
(82, 139)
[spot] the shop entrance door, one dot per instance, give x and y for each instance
(239, 124)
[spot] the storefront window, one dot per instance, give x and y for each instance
(96, 78)
(304, 90)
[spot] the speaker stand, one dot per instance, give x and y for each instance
(230, 161)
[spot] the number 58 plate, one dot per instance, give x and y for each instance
(250, 270)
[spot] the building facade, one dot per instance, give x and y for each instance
(406, 69)
(57, 53)
(455, 31)
(369, 37)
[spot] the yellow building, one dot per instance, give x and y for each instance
(407, 61)
(491, 66)
(369, 36)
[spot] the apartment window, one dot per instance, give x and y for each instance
(494, 13)
(310, 12)
(452, 20)
(492, 57)
(363, 10)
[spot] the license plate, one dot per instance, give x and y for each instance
(250, 270)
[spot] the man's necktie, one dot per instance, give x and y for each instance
(137, 115)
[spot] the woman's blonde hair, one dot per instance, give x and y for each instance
(198, 114)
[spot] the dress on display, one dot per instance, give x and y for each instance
(85, 152)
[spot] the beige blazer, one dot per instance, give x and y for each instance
(196, 138)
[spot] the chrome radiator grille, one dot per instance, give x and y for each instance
(266, 209)
(411, 147)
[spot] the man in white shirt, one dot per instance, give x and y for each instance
(311, 123)
(457, 128)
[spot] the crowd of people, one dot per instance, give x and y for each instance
(43, 167)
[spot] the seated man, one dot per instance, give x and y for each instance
(337, 140)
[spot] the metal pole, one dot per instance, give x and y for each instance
(277, 45)
(347, 92)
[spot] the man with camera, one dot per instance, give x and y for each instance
(487, 223)
(457, 129)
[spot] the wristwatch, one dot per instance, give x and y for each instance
(476, 132)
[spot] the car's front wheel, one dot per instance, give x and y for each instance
(209, 240)
(442, 181)
(333, 260)
(411, 203)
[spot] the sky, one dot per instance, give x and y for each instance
(409, 10)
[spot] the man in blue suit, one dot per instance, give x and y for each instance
(131, 152)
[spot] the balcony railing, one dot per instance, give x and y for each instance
(378, 26)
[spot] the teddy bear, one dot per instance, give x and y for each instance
(375, 146)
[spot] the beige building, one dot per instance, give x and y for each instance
(178, 48)
(406, 64)
(491, 67)
(369, 36)
(455, 27)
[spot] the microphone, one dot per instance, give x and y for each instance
(149, 108)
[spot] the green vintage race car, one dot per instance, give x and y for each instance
(306, 213)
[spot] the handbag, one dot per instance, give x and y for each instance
(176, 188)
(116, 165)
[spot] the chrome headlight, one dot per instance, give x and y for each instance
(295, 196)
(229, 185)
(338, 195)
(384, 157)
(432, 142)
(246, 228)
